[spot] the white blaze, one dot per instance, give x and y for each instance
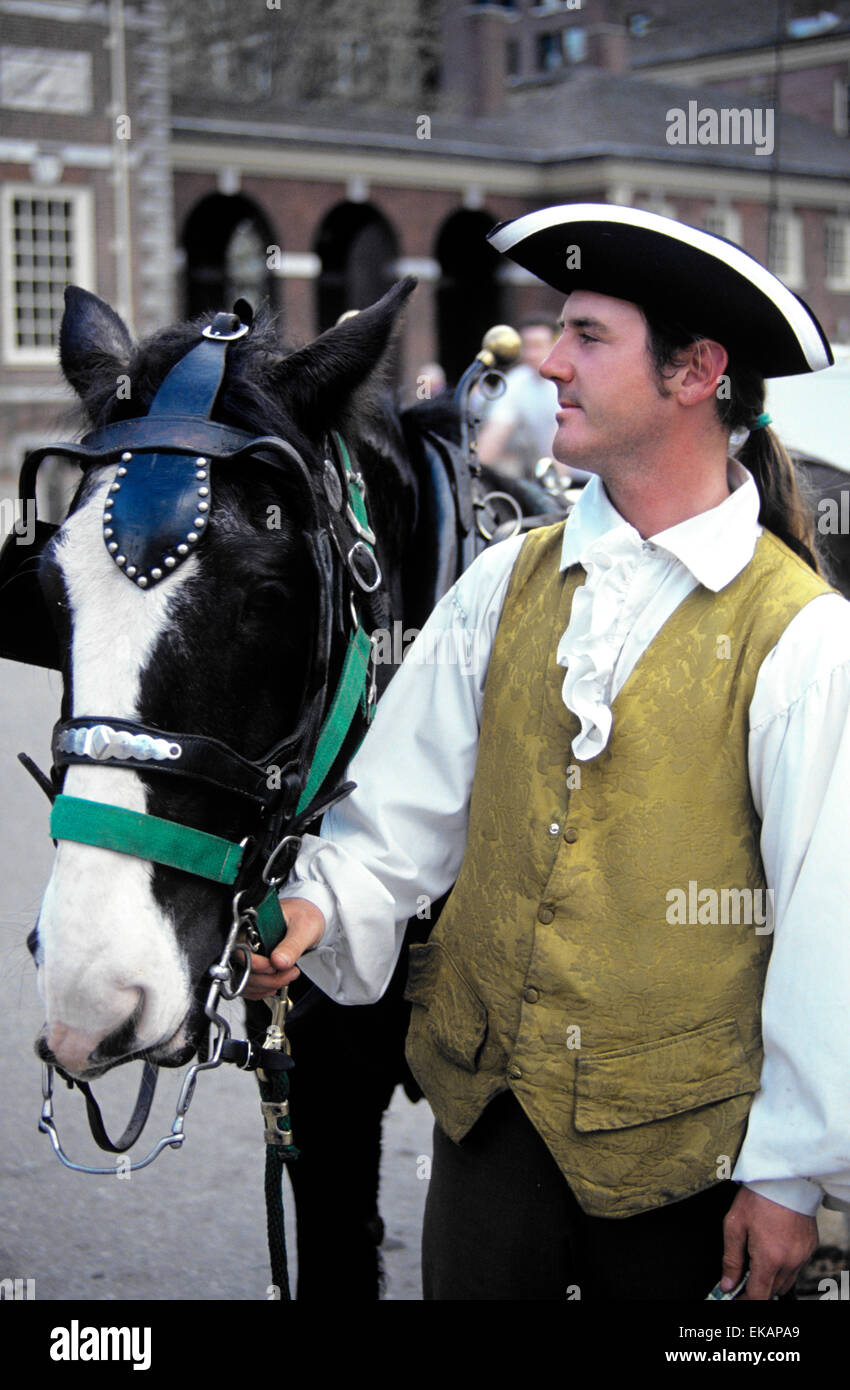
(106, 943)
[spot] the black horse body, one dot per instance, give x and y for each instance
(229, 661)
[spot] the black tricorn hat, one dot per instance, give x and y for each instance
(677, 273)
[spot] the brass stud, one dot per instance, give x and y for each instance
(113, 546)
(121, 472)
(169, 562)
(107, 531)
(142, 581)
(203, 506)
(131, 570)
(120, 559)
(182, 550)
(126, 456)
(192, 537)
(156, 574)
(116, 487)
(107, 516)
(203, 492)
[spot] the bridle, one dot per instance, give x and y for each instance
(157, 512)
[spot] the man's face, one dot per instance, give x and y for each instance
(537, 342)
(610, 408)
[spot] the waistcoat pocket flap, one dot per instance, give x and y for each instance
(456, 1019)
(633, 1085)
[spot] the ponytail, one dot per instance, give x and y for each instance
(783, 510)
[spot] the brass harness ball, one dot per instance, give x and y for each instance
(500, 346)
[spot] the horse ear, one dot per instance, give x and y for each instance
(319, 380)
(94, 345)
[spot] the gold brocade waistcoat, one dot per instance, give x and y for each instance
(604, 949)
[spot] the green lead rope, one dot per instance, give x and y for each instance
(276, 1091)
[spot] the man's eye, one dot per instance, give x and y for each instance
(586, 338)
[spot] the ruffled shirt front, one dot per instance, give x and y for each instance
(633, 586)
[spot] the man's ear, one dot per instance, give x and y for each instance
(701, 367)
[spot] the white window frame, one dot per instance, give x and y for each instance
(723, 220)
(792, 272)
(841, 227)
(81, 271)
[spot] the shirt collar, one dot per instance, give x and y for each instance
(714, 545)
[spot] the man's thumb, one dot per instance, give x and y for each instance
(305, 926)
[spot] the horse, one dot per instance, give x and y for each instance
(253, 553)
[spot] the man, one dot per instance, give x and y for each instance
(637, 717)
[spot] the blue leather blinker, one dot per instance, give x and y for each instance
(156, 512)
(158, 505)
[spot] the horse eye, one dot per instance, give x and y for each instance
(264, 599)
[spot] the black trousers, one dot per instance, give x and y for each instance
(502, 1223)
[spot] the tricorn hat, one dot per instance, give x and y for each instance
(677, 273)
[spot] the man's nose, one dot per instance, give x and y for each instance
(558, 365)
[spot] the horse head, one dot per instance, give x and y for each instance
(217, 642)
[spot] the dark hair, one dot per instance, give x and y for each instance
(783, 510)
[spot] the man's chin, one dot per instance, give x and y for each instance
(572, 458)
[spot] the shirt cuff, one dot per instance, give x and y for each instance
(797, 1193)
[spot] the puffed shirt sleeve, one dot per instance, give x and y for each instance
(396, 843)
(797, 1145)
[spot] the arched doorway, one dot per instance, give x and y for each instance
(226, 239)
(357, 248)
(469, 299)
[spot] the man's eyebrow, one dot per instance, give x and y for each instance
(585, 321)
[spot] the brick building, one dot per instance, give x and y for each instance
(314, 162)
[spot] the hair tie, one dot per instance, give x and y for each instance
(760, 423)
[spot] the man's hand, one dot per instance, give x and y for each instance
(305, 925)
(777, 1239)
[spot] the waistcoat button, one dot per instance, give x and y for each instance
(514, 1072)
(545, 915)
(570, 834)
(530, 994)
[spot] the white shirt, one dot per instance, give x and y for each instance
(397, 842)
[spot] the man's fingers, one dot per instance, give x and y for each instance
(734, 1251)
(265, 979)
(305, 927)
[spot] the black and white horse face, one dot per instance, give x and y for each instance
(219, 647)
